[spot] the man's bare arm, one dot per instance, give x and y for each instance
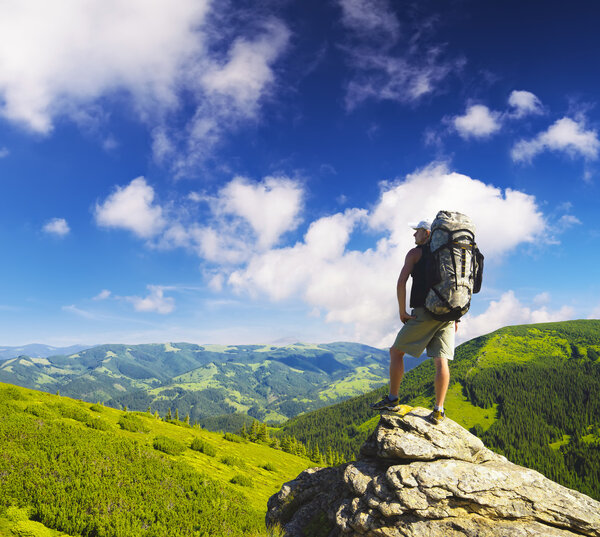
(412, 258)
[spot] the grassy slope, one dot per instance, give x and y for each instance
(245, 459)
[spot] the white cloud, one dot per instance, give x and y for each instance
(247, 72)
(389, 64)
(231, 91)
(357, 288)
(79, 312)
(59, 56)
(371, 17)
(568, 220)
(154, 302)
(506, 311)
(244, 217)
(567, 135)
(132, 208)
(434, 188)
(69, 59)
(524, 103)
(4, 152)
(102, 295)
(478, 122)
(542, 298)
(270, 207)
(57, 226)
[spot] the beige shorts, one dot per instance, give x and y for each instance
(425, 332)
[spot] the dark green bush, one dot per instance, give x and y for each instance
(98, 424)
(230, 437)
(242, 480)
(168, 445)
(203, 447)
(129, 422)
(230, 460)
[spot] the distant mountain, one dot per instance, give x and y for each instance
(268, 383)
(531, 393)
(38, 350)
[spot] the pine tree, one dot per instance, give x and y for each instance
(168, 417)
(176, 414)
(187, 419)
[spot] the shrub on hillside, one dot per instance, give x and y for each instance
(131, 423)
(98, 424)
(230, 460)
(203, 447)
(168, 445)
(230, 437)
(269, 466)
(40, 411)
(72, 412)
(96, 407)
(239, 479)
(30, 528)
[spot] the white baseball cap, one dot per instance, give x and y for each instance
(423, 224)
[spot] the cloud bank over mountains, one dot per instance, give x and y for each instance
(244, 239)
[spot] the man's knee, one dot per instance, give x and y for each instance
(440, 362)
(396, 354)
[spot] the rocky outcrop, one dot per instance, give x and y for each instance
(416, 479)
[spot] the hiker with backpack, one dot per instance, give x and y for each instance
(446, 268)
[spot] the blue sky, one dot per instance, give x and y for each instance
(245, 172)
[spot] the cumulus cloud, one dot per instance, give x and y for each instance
(70, 59)
(155, 301)
(565, 135)
(132, 207)
(389, 64)
(57, 226)
(244, 217)
(478, 122)
(56, 56)
(270, 207)
(357, 287)
(524, 103)
(508, 310)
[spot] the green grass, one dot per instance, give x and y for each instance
(267, 469)
(459, 409)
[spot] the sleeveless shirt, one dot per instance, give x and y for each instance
(420, 288)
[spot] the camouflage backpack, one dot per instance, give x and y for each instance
(455, 268)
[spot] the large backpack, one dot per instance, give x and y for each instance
(455, 267)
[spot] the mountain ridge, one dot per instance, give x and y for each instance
(269, 383)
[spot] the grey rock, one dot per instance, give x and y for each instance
(416, 479)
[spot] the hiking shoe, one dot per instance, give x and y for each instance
(436, 416)
(386, 404)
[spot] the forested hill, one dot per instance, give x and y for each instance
(531, 392)
(266, 382)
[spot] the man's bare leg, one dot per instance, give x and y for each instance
(442, 380)
(396, 370)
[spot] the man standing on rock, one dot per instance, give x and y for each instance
(420, 331)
